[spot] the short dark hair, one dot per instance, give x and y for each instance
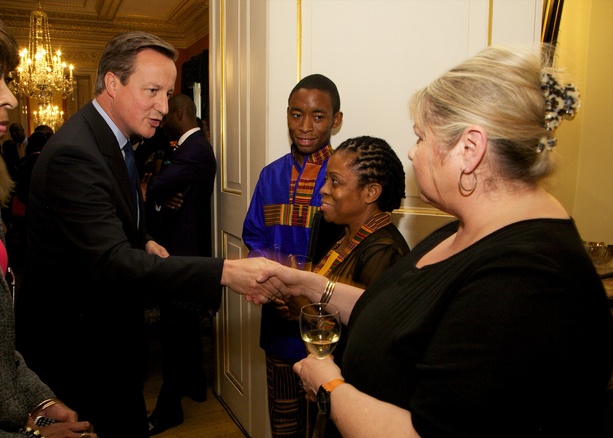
(48, 130)
(36, 141)
(376, 161)
(319, 82)
(120, 52)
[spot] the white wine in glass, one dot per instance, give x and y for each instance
(320, 328)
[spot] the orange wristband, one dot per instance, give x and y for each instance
(333, 384)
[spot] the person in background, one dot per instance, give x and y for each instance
(48, 130)
(281, 212)
(23, 396)
(186, 231)
(204, 125)
(86, 228)
(365, 182)
(151, 154)
(14, 149)
(36, 141)
(17, 248)
(496, 324)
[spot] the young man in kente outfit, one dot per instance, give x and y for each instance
(279, 220)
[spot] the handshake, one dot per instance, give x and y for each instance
(262, 281)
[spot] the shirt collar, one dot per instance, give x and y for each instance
(187, 134)
(317, 157)
(121, 139)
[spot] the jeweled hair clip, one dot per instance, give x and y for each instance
(560, 103)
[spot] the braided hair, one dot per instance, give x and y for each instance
(375, 161)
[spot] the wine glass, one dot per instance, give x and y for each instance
(301, 262)
(320, 328)
(596, 251)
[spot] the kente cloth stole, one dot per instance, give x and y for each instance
(333, 258)
(297, 212)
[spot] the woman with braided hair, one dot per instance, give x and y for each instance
(496, 324)
(364, 183)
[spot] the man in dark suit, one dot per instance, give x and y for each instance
(183, 230)
(90, 262)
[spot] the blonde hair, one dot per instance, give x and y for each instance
(500, 90)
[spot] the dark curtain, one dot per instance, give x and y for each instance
(197, 70)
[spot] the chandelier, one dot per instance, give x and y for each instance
(49, 115)
(41, 73)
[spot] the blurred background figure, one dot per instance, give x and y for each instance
(23, 172)
(19, 219)
(181, 193)
(14, 149)
(48, 130)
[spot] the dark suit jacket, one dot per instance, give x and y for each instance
(186, 231)
(79, 311)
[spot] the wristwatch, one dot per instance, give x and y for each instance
(323, 395)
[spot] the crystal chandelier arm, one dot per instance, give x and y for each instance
(41, 73)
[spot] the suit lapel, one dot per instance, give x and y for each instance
(107, 143)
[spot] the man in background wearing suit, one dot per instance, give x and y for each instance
(184, 230)
(90, 263)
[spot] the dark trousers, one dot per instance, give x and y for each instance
(182, 356)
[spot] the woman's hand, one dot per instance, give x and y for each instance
(315, 372)
(66, 425)
(59, 412)
(240, 275)
(292, 282)
(80, 429)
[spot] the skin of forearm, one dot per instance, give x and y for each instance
(345, 297)
(358, 415)
(311, 286)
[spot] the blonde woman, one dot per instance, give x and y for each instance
(495, 325)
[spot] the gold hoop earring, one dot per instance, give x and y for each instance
(469, 190)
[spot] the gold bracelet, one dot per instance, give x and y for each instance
(44, 405)
(328, 290)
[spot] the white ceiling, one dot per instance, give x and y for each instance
(81, 28)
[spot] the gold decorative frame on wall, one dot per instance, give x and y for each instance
(552, 15)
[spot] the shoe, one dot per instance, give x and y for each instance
(159, 423)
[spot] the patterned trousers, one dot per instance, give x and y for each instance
(288, 407)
